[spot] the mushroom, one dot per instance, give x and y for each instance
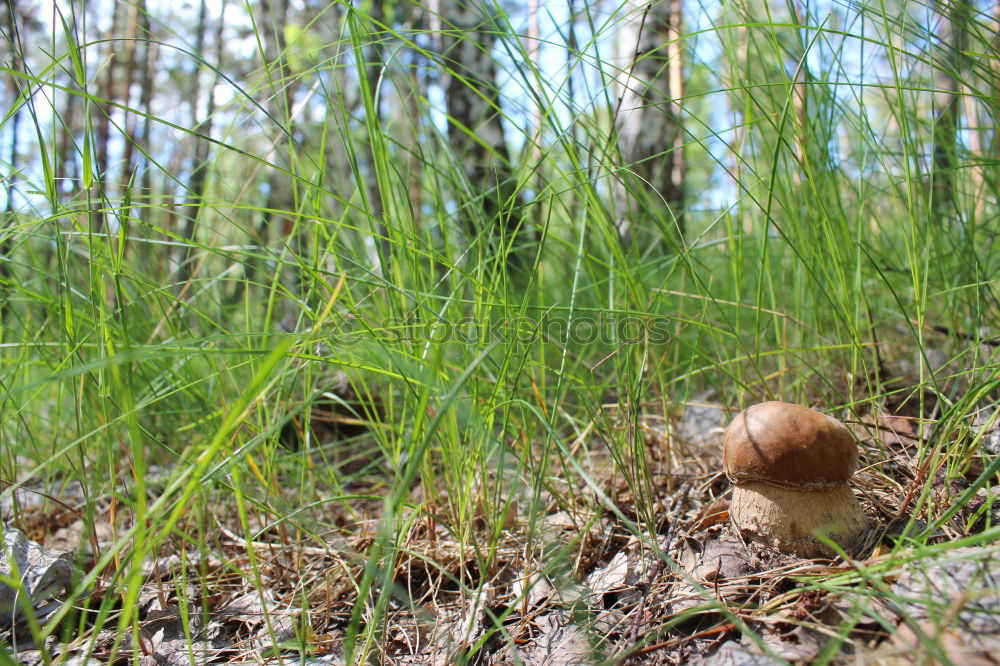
(790, 465)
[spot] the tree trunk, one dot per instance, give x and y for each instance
(68, 171)
(953, 33)
(14, 91)
(648, 120)
(198, 168)
(68, 174)
(476, 133)
(131, 34)
(991, 148)
(375, 66)
(102, 115)
(800, 90)
(279, 198)
(995, 67)
(149, 52)
(274, 53)
(418, 81)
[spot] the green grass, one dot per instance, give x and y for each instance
(832, 279)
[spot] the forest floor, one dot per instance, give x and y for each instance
(569, 586)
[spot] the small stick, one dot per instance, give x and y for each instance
(721, 629)
(643, 587)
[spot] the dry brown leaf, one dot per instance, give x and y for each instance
(558, 643)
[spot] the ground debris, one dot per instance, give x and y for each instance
(588, 588)
(43, 575)
(557, 641)
(950, 609)
(988, 427)
(732, 654)
(172, 639)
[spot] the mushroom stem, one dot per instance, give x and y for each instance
(786, 519)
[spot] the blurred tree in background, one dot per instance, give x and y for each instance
(254, 153)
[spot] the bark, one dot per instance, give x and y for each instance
(67, 172)
(414, 22)
(198, 181)
(995, 66)
(374, 60)
(800, 94)
(475, 130)
(198, 168)
(991, 118)
(279, 198)
(14, 91)
(145, 101)
(102, 115)
(67, 169)
(571, 52)
(649, 124)
(417, 92)
(534, 54)
(131, 34)
(275, 17)
(953, 33)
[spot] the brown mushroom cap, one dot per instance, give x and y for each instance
(789, 446)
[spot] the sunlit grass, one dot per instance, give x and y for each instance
(196, 346)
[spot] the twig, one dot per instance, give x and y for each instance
(643, 587)
(721, 629)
